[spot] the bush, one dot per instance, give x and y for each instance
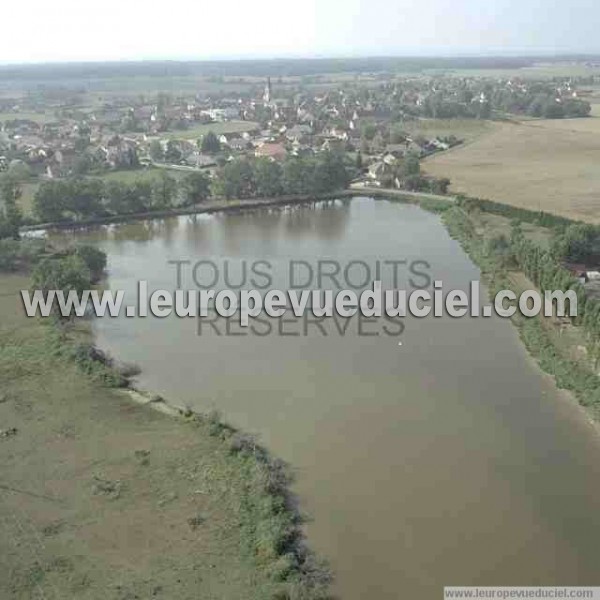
(61, 274)
(94, 259)
(522, 214)
(9, 255)
(20, 254)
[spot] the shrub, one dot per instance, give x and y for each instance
(94, 259)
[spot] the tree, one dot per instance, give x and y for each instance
(236, 180)
(297, 175)
(19, 170)
(268, 177)
(415, 183)
(499, 247)
(196, 187)
(410, 166)
(378, 143)
(173, 153)
(115, 197)
(164, 191)
(484, 110)
(125, 198)
(84, 197)
(94, 259)
(210, 143)
(440, 186)
(368, 129)
(578, 243)
(359, 161)
(81, 143)
(577, 108)
(156, 151)
(82, 165)
(330, 172)
(49, 201)
(11, 216)
(64, 274)
(365, 147)
(397, 134)
(553, 110)
(139, 196)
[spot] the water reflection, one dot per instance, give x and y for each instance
(450, 460)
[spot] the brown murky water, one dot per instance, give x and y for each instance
(448, 460)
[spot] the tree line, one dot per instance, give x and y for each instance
(572, 242)
(11, 216)
(262, 177)
(544, 267)
(80, 198)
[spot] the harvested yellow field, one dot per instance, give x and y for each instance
(540, 165)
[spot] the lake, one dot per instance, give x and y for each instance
(447, 460)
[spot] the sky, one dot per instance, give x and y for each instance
(82, 30)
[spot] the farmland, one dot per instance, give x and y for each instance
(464, 129)
(38, 117)
(549, 165)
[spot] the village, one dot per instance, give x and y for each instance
(51, 135)
(187, 456)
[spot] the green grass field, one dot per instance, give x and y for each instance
(27, 193)
(538, 71)
(45, 117)
(105, 498)
(132, 175)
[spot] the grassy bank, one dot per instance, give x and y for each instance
(101, 497)
(558, 345)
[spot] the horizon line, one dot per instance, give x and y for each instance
(524, 55)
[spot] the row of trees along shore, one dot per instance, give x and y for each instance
(82, 198)
(545, 267)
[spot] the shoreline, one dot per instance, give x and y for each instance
(246, 445)
(133, 456)
(472, 243)
(236, 205)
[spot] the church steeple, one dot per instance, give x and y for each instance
(267, 92)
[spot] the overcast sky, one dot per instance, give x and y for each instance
(62, 30)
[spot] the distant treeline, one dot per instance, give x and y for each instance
(260, 68)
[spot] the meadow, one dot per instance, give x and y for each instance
(538, 70)
(102, 497)
(38, 117)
